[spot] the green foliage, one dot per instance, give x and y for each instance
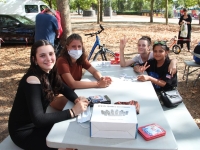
(51, 3)
(146, 5)
(129, 4)
(189, 3)
(83, 4)
(138, 5)
(170, 11)
(114, 4)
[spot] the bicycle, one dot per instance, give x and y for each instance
(174, 47)
(103, 53)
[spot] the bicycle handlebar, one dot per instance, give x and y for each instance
(95, 33)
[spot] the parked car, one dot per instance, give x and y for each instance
(16, 29)
(28, 8)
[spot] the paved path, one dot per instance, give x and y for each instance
(127, 18)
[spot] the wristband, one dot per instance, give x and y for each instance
(73, 112)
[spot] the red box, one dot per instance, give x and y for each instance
(151, 131)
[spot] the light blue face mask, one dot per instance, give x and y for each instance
(76, 54)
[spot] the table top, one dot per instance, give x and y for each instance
(124, 87)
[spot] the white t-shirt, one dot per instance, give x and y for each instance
(138, 59)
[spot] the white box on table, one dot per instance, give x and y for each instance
(113, 121)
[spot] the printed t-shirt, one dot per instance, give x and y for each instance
(162, 73)
(75, 70)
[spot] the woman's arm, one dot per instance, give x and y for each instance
(73, 84)
(96, 74)
(100, 83)
(172, 67)
(158, 82)
(180, 20)
(36, 104)
(68, 93)
(122, 45)
(190, 19)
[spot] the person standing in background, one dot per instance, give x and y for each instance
(46, 26)
(185, 18)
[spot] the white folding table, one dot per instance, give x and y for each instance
(125, 87)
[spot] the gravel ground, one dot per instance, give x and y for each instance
(15, 61)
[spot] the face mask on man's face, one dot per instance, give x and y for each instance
(76, 54)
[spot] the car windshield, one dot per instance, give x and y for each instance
(25, 20)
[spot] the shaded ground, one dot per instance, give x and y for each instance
(15, 61)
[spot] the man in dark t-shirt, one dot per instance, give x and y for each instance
(46, 26)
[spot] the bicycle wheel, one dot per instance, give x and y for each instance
(104, 55)
(176, 49)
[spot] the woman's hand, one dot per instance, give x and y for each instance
(80, 106)
(172, 69)
(108, 79)
(143, 78)
(123, 42)
(104, 82)
(141, 69)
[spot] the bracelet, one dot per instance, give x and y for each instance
(73, 112)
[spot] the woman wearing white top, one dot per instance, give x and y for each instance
(144, 54)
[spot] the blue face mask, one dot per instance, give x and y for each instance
(76, 54)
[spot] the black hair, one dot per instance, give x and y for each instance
(50, 87)
(64, 52)
(164, 46)
(184, 9)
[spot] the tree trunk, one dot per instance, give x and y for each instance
(79, 10)
(166, 12)
(101, 10)
(50, 3)
(151, 12)
(63, 8)
(98, 12)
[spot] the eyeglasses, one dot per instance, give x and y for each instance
(160, 42)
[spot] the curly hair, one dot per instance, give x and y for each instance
(64, 52)
(52, 82)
